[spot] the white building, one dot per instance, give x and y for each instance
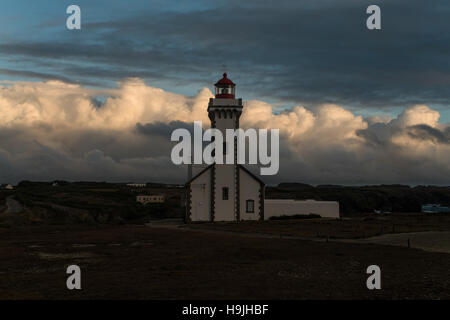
(155, 198)
(434, 208)
(230, 192)
(136, 185)
(289, 207)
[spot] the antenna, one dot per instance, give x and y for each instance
(224, 68)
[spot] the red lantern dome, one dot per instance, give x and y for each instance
(225, 88)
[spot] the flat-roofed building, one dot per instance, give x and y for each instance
(435, 208)
(136, 185)
(154, 198)
(290, 207)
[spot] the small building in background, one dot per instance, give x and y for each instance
(8, 187)
(434, 208)
(136, 185)
(145, 198)
(290, 207)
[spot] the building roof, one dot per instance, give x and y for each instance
(254, 176)
(224, 81)
(198, 174)
(210, 166)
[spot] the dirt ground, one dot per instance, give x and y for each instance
(137, 262)
(433, 241)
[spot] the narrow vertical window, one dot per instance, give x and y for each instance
(250, 206)
(224, 193)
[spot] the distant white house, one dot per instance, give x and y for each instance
(136, 185)
(9, 187)
(155, 198)
(289, 207)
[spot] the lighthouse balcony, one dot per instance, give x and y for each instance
(217, 102)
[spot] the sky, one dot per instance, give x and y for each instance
(354, 106)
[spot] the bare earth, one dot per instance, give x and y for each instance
(433, 241)
(137, 262)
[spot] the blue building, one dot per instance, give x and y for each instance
(434, 208)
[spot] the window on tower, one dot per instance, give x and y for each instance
(225, 90)
(224, 193)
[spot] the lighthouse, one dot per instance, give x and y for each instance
(230, 192)
(224, 112)
(224, 192)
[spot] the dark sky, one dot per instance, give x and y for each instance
(287, 52)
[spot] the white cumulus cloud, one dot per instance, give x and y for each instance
(54, 130)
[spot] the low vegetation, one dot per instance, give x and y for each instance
(111, 203)
(87, 202)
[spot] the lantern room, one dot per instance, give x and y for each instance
(225, 88)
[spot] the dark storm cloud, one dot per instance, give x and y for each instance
(425, 132)
(303, 52)
(31, 74)
(378, 134)
(30, 153)
(42, 76)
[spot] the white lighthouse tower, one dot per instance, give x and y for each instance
(224, 192)
(224, 112)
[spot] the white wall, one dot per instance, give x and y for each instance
(282, 207)
(200, 197)
(249, 190)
